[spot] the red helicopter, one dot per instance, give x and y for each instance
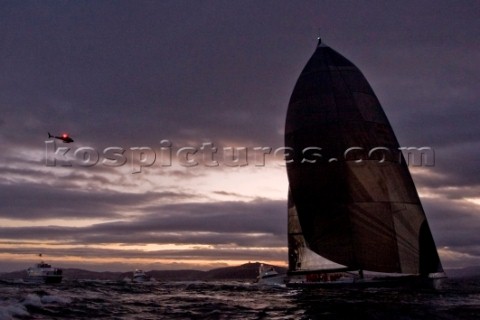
(64, 137)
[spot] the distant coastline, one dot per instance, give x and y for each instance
(244, 272)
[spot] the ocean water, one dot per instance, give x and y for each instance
(456, 299)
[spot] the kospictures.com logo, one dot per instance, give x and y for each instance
(206, 154)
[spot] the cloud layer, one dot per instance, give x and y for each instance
(126, 75)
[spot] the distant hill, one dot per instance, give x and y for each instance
(245, 272)
(173, 275)
(73, 274)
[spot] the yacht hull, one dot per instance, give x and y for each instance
(43, 279)
(409, 281)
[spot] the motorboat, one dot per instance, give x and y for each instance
(44, 273)
(268, 275)
(140, 276)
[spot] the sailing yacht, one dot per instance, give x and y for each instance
(353, 208)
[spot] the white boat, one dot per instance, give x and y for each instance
(140, 276)
(353, 208)
(268, 275)
(43, 273)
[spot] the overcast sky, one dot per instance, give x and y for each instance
(131, 74)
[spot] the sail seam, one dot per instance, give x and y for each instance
(334, 93)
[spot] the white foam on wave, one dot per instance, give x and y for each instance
(9, 310)
(55, 299)
(35, 300)
(32, 299)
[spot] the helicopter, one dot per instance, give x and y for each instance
(64, 137)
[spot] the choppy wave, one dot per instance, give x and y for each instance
(94, 299)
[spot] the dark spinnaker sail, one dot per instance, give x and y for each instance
(352, 199)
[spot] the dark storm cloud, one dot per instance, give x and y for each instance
(453, 223)
(125, 73)
(456, 166)
(461, 164)
(211, 69)
(110, 72)
(222, 216)
(130, 74)
(67, 178)
(255, 224)
(34, 201)
(37, 202)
